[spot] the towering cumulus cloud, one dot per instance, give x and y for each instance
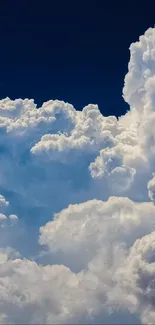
(77, 213)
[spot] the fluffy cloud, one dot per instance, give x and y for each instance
(4, 206)
(8, 225)
(98, 239)
(139, 278)
(91, 132)
(83, 230)
(110, 167)
(93, 261)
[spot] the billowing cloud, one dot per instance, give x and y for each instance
(95, 241)
(77, 219)
(80, 231)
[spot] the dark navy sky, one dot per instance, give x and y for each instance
(69, 50)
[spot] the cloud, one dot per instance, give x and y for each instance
(90, 132)
(4, 207)
(139, 278)
(83, 230)
(110, 167)
(8, 225)
(77, 229)
(98, 239)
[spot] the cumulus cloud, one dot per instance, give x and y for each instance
(77, 219)
(139, 278)
(8, 225)
(98, 239)
(83, 230)
(4, 206)
(109, 167)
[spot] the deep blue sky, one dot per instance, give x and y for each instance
(69, 50)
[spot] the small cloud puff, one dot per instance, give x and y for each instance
(9, 220)
(13, 217)
(3, 202)
(2, 217)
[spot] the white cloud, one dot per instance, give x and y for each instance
(4, 205)
(138, 279)
(98, 239)
(2, 217)
(79, 232)
(110, 166)
(8, 227)
(3, 202)
(96, 175)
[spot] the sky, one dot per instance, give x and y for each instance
(72, 51)
(77, 157)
